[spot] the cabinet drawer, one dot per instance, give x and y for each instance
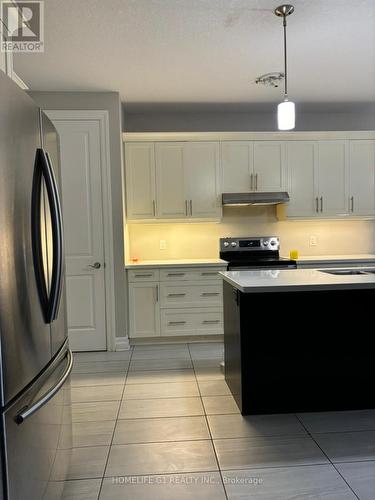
(191, 322)
(186, 273)
(143, 275)
(191, 294)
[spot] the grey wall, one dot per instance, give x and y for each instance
(200, 117)
(109, 101)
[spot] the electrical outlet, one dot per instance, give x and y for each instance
(163, 244)
(313, 240)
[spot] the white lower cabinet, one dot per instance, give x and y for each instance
(144, 310)
(183, 301)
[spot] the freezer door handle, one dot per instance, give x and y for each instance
(28, 411)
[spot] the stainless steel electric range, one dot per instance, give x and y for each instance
(254, 253)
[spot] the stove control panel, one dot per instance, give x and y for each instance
(264, 243)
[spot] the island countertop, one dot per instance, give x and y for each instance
(288, 280)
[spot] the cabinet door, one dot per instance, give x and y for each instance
(332, 175)
(362, 177)
(201, 169)
(269, 166)
(170, 181)
(301, 166)
(144, 312)
(140, 180)
(237, 166)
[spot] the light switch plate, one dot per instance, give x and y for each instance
(313, 240)
(163, 244)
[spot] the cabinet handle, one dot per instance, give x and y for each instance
(154, 207)
(143, 275)
(207, 273)
(256, 182)
(209, 294)
(172, 323)
(157, 293)
(321, 203)
(176, 274)
(251, 182)
(186, 208)
(352, 203)
(317, 204)
(191, 208)
(176, 294)
(210, 321)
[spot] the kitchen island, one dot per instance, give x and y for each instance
(299, 340)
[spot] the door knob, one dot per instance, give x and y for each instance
(96, 265)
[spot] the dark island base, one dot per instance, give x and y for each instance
(293, 352)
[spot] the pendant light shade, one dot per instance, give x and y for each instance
(286, 110)
(286, 115)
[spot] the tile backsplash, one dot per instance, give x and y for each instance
(201, 240)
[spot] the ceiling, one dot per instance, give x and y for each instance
(205, 51)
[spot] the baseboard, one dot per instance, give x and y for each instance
(122, 344)
(190, 339)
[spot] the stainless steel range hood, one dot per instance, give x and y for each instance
(255, 198)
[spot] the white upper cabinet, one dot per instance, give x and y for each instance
(253, 166)
(269, 166)
(237, 166)
(362, 177)
(301, 166)
(140, 180)
(332, 177)
(170, 180)
(201, 167)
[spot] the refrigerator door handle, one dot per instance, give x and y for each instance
(43, 170)
(28, 411)
(58, 248)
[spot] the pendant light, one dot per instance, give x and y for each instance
(286, 113)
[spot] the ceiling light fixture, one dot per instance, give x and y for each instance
(286, 112)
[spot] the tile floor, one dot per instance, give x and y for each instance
(158, 422)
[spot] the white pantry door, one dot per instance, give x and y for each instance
(82, 203)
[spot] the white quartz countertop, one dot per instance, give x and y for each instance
(295, 280)
(175, 263)
(320, 259)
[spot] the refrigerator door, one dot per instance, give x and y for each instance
(25, 347)
(50, 144)
(37, 430)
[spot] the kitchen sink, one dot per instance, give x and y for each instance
(345, 272)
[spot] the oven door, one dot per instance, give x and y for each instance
(33, 425)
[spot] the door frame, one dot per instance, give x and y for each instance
(101, 116)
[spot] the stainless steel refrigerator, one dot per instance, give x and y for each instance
(35, 359)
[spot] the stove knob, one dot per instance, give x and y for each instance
(226, 244)
(273, 243)
(265, 243)
(234, 244)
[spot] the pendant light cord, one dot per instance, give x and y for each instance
(285, 62)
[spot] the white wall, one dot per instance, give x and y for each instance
(109, 101)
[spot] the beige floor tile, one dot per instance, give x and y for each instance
(84, 463)
(197, 486)
(160, 364)
(160, 430)
(97, 433)
(101, 356)
(83, 489)
(91, 412)
(153, 408)
(207, 350)
(209, 373)
(101, 367)
(213, 388)
(100, 393)
(165, 390)
(236, 426)
(161, 458)
(161, 352)
(245, 453)
(96, 379)
(160, 376)
(219, 405)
